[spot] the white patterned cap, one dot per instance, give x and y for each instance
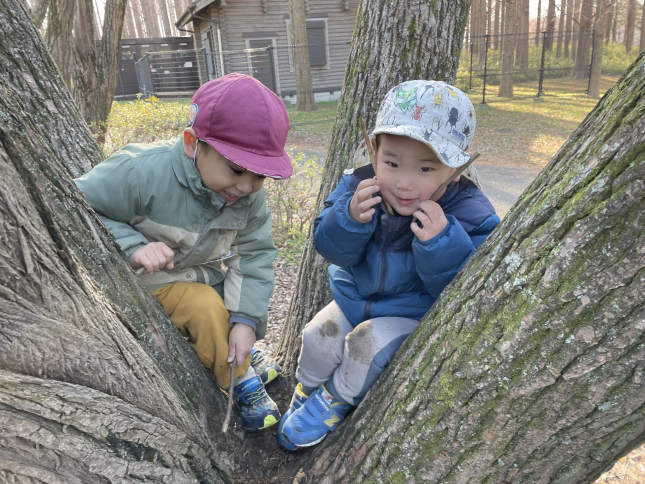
(433, 112)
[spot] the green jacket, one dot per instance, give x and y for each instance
(153, 193)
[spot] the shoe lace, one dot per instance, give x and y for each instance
(257, 358)
(255, 396)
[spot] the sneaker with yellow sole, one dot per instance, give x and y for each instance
(257, 410)
(264, 366)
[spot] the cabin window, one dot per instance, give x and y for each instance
(316, 39)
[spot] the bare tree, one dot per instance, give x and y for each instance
(583, 58)
(563, 12)
(538, 32)
(305, 100)
(641, 44)
(610, 20)
(630, 26)
(550, 25)
(569, 26)
(596, 62)
(576, 30)
(496, 32)
(59, 37)
(508, 49)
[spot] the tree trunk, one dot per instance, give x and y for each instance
(506, 82)
(630, 27)
(538, 35)
(39, 12)
(423, 43)
(550, 25)
(563, 12)
(496, 32)
(59, 37)
(610, 20)
(615, 26)
(576, 30)
(529, 368)
(568, 26)
(305, 100)
(641, 44)
(165, 18)
(129, 31)
(596, 61)
(584, 41)
(96, 384)
(525, 38)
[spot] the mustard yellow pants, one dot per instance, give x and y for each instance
(198, 311)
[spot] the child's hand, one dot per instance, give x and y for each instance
(361, 206)
(431, 216)
(153, 257)
(240, 342)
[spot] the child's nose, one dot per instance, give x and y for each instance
(245, 185)
(405, 183)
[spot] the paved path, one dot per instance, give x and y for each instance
(502, 184)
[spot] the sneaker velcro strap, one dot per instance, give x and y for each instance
(322, 412)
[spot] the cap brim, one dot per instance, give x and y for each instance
(449, 154)
(279, 167)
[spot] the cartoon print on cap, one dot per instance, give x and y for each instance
(438, 100)
(406, 99)
(192, 114)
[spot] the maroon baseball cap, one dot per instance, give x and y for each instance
(245, 122)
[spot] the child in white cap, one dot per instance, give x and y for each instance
(387, 268)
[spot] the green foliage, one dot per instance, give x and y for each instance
(144, 121)
(293, 203)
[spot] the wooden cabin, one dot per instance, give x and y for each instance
(236, 35)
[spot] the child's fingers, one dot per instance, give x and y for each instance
(365, 205)
(367, 193)
(367, 216)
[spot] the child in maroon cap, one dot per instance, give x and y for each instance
(181, 210)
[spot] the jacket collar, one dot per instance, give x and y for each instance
(189, 177)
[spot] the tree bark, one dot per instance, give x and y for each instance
(392, 42)
(530, 366)
(305, 100)
(568, 27)
(538, 35)
(496, 32)
(59, 37)
(583, 59)
(641, 44)
(596, 61)
(39, 12)
(576, 30)
(550, 25)
(610, 20)
(563, 12)
(165, 18)
(506, 82)
(630, 26)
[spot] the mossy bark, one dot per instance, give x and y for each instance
(393, 42)
(530, 366)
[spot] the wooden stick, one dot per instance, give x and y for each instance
(437, 194)
(230, 399)
(370, 151)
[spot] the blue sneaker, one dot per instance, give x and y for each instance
(297, 401)
(320, 414)
(264, 366)
(256, 408)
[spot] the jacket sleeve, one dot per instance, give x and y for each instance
(439, 259)
(112, 190)
(250, 276)
(337, 237)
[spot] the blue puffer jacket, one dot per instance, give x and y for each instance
(381, 268)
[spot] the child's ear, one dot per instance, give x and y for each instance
(190, 142)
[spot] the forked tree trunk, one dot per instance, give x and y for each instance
(304, 86)
(423, 43)
(59, 38)
(531, 366)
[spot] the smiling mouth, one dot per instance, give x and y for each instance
(405, 201)
(230, 196)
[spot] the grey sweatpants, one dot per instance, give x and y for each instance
(351, 357)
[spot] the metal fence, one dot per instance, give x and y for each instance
(180, 73)
(537, 58)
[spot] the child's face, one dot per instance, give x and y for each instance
(408, 172)
(224, 177)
